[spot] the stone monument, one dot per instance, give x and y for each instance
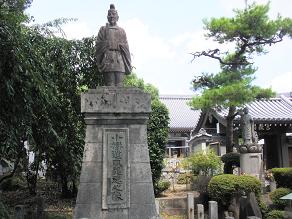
(250, 150)
(115, 181)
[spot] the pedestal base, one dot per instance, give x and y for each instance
(115, 181)
(251, 164)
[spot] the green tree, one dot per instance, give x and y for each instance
(24, 83)
(40, 84)
(249, 32)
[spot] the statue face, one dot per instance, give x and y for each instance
(112, 17)
(245, 110)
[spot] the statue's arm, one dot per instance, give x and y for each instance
(100, 47)
(124, 47)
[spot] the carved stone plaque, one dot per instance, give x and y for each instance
(115, 169)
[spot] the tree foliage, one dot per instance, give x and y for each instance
(250, 31)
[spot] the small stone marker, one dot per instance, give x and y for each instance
(213, 210)
(200, 210)
(19, 212)
(190, 198)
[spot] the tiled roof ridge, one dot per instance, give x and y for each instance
(176, 96)
(286, 100)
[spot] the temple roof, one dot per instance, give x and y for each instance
(274, 110)
(182, 117)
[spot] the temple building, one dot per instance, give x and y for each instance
(194, 130)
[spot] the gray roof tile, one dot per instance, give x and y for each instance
(182, 117)
(271, 110)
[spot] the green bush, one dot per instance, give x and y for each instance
(275, 214)
(184, 178)
(232, 158)
(161, 186)
(12, 184)
(283, 177)
(223, 188)
(203, 163)
(3, 211)
(277, 194)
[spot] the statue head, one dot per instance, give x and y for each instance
(245, 110)
(112, 15)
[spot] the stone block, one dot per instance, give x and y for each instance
(115, 181)
(88, 194)
(139, 153)
(92, 152)
(250, 163)
(116, 214)
(91, 172)
(141, 172)
(115, 100)
(138, 134)
(89, 211)
(142, 194)
(147, 209)
(93, 134)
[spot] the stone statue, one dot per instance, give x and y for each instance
(249, 135)
(112, 51)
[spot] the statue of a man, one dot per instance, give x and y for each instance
(247, 127)
(112, 51)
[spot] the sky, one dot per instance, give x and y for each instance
(162, 34)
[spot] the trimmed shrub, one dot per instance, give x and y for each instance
(275, 214)
(184, 178)
(203, 163)
(161, 186)
(223, 188)
(283, 177)
(232, 158)
(277, 194)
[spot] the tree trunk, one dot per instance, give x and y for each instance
(65, 190)
(229, 136)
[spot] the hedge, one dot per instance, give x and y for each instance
(277, 194)
(223, 188)
(161, 186)
(275, 214)
(232, 158)
(283, 177)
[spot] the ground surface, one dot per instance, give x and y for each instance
(178, 191)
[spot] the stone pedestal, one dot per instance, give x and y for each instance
(115, 181)
(251, 164)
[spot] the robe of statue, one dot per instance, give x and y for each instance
(247, 127)
(112, 50)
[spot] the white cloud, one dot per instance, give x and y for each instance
(77, 30)
(282, 83)
(144, 45)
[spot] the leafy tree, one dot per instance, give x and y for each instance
(157, 127)
(24, 82)
(249, 32)
(40, 84)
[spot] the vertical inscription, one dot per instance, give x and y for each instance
(116, 168)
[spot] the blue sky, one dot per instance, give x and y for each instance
(163, 33)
